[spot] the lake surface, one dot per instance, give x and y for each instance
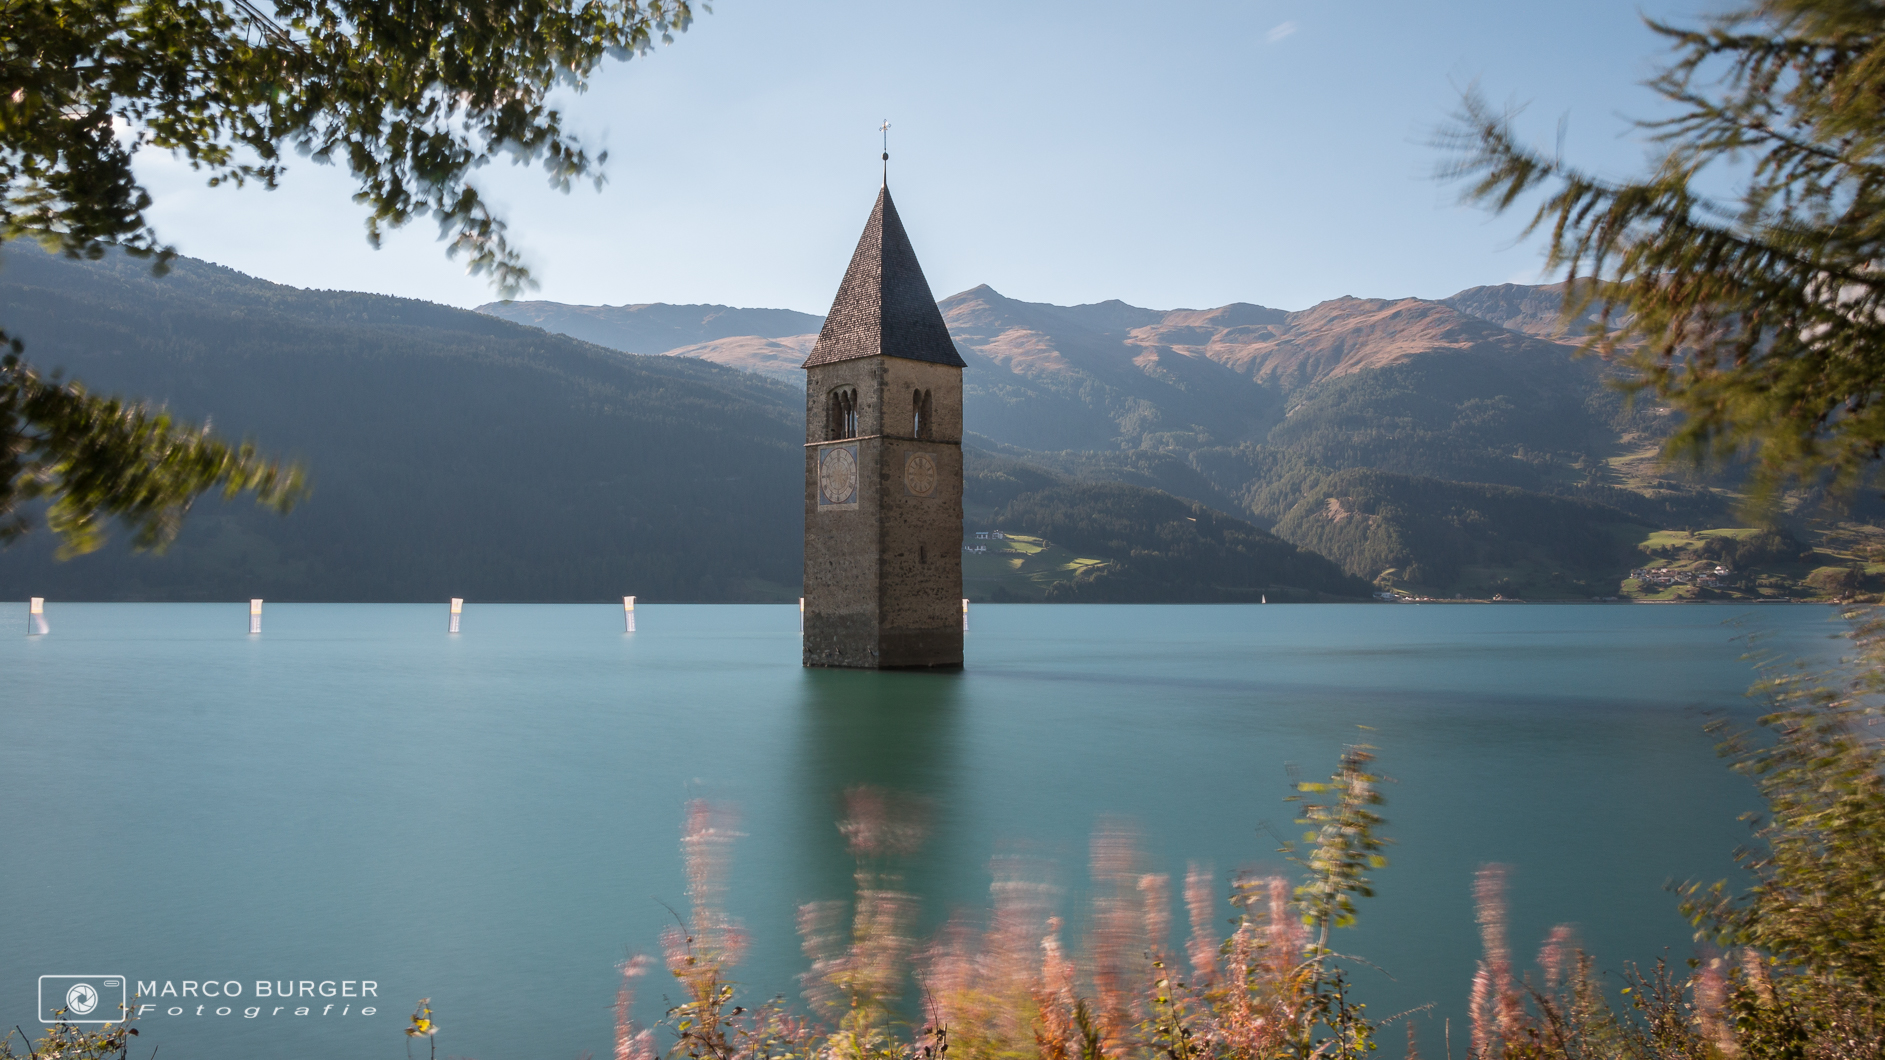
(491, 819)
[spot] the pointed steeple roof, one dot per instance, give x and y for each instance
(884, 305)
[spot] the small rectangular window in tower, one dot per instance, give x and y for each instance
(920, 415)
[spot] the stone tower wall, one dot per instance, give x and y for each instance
(841, 545)
(883, 579)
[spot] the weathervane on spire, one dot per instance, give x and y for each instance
(885, 129)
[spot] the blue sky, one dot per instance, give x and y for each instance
(1183, 154)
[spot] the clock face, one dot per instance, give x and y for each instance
(919, 474)
(837, 475)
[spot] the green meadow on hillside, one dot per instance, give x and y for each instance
(1019, 567)
(1845, 563)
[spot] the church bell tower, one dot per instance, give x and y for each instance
(883, 467)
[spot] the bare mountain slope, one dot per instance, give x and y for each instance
(778, 358)
(1054, 377)
(1072, 377)
(1271, 346)
(1342, 337)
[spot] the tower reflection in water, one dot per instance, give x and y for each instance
(880, 759)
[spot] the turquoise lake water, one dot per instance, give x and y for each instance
(491, 819)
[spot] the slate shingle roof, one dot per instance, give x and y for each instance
(884, 305)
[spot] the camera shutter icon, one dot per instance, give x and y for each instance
(81, 998)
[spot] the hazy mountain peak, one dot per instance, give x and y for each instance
(1114, 315)
(983, 304)
(1236, 314)
(654, 327)
(1537, 311)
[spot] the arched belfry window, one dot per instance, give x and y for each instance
(841, 413)
(920, 414)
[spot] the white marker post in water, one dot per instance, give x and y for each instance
(801, 614)
(36, 616)
(255, 616)
(965, 614)
(628, 614)
(458, 606)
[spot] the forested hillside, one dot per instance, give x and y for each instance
(1492, 540)
(1166, 549)
(1152, 546)
(452, 454)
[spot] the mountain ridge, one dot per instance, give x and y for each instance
(1412, 324)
